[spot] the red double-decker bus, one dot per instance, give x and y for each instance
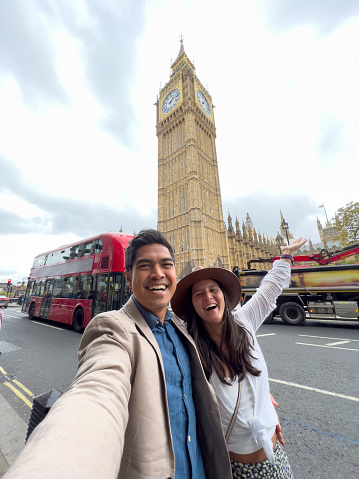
(73, 283)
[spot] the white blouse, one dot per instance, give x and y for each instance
(256, 418)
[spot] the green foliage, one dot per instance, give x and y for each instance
(347, 223)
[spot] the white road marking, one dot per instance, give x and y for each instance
(329, 347)
(48, 325)
(326, 337)
(338, 342)
(262, 335)
(322, 391)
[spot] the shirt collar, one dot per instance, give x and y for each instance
(150, 318)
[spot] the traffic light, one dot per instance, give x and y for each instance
(8, 282)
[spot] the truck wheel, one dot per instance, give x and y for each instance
(78, 320)
(31, 311)
(292, 314)
(269, 318)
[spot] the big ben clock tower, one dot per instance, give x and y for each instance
(189, 196)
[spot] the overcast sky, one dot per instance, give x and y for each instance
(78, 83)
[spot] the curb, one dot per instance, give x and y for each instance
(12, 435)
(4, 465)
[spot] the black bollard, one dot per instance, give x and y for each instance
(40, 407)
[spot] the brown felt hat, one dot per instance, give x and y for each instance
(228, 280)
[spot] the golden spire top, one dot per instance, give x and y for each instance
(181, 47)
(181, 59)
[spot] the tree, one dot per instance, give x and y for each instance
(347, 223)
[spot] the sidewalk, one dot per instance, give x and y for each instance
(3, 464)
(12, 435)
(12, 432)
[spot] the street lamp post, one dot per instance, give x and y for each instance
(285, 227)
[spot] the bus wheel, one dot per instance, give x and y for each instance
(269, 318)
(78, 320)
(31, 311)
(292, 314)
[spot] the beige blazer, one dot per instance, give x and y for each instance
(113, 420)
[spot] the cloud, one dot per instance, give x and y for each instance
(109, 38)
(299, 211)
(327, 15)
(106, 33)
(331, 141)
(12, 223)
(61, 215)
(27, 53)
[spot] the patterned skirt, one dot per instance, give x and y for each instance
(264, 470)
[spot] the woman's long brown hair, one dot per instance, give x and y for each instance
(234, 350)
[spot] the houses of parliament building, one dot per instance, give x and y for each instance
(189, 196)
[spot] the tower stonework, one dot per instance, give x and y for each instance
(189, 196)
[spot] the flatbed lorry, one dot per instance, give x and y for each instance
(314, 291)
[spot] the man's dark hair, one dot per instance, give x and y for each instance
(143, 238)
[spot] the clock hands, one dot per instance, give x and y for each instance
(170, 101)
(203, 102)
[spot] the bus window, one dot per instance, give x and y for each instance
(31, 288)
(93, 246)
(82, 287)
(126, 291)
(39, 261)
(74, 251)
(54, 257)
(68, 288)
(37, 290)
(98, 248)
(115, 291)
(78, 287)
(88, 285)
(100, 299)
(65, 254)
(40, 287)
(46, 299)
(84, 249)
(31, 285)
(58, 288)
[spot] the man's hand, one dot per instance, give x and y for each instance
(278, 428)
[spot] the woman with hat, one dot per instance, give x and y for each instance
(233, 361)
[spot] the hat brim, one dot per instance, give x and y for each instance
(228, 280)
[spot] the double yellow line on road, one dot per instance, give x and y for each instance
(10, 384)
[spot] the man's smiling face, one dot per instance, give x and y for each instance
(153, 278)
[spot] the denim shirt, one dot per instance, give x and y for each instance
(188, 458)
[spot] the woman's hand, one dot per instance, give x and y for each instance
(278, 428)
(292, 248)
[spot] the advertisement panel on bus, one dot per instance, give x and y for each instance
(323, 277)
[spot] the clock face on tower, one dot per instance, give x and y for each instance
(203, 102)
(170, 101)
